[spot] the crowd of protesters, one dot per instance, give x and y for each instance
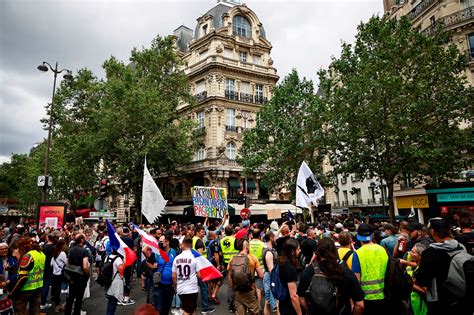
(40, 263)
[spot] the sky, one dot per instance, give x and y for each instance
(78, 34)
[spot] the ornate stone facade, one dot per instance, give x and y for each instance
(426, 15)
(227, 59)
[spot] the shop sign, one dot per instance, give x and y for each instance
(454, 197)
(418, 202)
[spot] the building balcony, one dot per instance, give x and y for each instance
(245, 129)
(259, 99)
(459, 17)
(358, 202)
(420, 9)
(230, 128)
(245, 97)
(231, 95)
(201, 96)
(199, 131)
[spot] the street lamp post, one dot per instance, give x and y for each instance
(44, 67)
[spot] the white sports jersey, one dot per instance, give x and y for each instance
(184, 265)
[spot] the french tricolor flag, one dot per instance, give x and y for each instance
(117, 244)
(205, 268)
(151, 242)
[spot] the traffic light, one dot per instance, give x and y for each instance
(104, 185)
(240, 198)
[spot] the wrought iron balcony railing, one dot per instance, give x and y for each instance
(201, 96)
(245, 97)
(231, 128)
(419, 9)
(231, 95)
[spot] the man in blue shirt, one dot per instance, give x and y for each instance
(390, 240)
(163, 292)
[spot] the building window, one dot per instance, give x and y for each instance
(230, 121)
(432, 20)
(259, 93)
(241, 26)
(200, 120)
(201, 153)
(231, 151)
(228, 53)
(257, 60)
(243, 56)
(230, 89)
(246, 120)
(471, 45)
(204, 30)
(346, 200)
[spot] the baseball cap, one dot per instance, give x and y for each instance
(364, 232)
(339, 226)
(414, 226)
(245, 223)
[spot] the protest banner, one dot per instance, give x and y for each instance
(209, 200)
(52, 214)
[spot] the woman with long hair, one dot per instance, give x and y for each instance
(326, 262)
(288, 263)
(58, 262)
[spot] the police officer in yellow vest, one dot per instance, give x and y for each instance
(30, 278)
(229, 251)
(256, 248)
(369, 263)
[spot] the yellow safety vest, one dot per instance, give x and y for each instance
(195, 239)
(256, 249)
(373, 263)
(228, 249)
(35, 275)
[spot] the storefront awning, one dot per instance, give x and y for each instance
(234, 182)
(251, 184)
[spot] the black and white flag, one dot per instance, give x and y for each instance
(308, 189)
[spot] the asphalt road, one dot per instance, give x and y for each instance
(97, 303)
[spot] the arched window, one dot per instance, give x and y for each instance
(201, 153)
(241, 26)
(231, 151)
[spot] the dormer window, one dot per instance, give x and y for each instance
(241, 26)
(204, 30)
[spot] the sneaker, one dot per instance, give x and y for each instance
(47, 305)
(65, 291)
(83, 312)
(209, 311)
(231, 310)
(128, 302)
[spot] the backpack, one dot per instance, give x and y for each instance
(106, 275)
(210, 256)
(242, 278)
(460, 280)
(279, 291)
(398, 284)
(322, 293)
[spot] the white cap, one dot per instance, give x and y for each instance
(339, 225)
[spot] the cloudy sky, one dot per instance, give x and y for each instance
(83, 33)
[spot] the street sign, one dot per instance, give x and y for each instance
(105, 214)
(245, 213)
(101, 204)
(41, 181)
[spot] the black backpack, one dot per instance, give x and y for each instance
(322, 293)
(398, 284)
(106, 275)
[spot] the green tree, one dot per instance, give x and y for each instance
(395, 102)
(288, 131)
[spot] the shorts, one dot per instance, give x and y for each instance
(259, 283)
(188, 302)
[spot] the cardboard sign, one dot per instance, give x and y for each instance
(52, 214)
(274, 214)
(209, 200)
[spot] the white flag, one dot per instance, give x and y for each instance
(308, 189)
(153, 203)
(412, 212)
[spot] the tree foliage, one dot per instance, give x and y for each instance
(288, 131)
(105, 128)
(395, 102)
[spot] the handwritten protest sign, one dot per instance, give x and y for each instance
(209, 200)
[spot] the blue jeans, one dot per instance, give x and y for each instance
(204, 295)
(45, 291)
(111, 305)
(163, 296)
(267, 290)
